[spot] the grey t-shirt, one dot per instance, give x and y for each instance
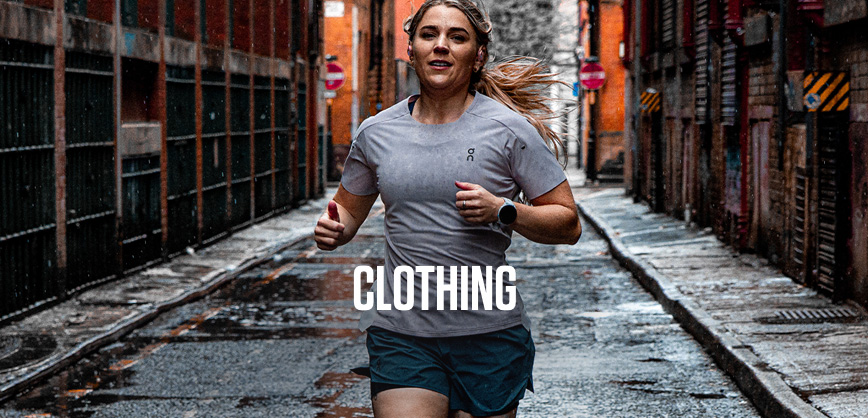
(414, 167)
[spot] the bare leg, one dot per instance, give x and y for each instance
(410, 403)
(462, 414)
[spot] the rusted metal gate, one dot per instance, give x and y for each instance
(262, 146)
(832, 227)
(240, 123)
(214, 155)
(142, 241)
(181, 155)
(90, 170)
(27, 179)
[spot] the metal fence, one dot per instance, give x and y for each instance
(214, 151)
(27, 179)
(181, 152)
(247, 170)
(90, 172)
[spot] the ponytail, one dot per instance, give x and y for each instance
(520, 83)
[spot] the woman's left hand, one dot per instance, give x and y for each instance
(475, 204)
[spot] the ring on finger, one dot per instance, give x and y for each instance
(463, 204)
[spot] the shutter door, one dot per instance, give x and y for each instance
(668, 28)
(702, 61)
(829, 186)
(729, 79)
(798, 243)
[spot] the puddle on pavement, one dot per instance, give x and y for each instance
(269, 304)
(296, 285)
(228, 330)
(20, 350)
(335, 383)
(68, 393)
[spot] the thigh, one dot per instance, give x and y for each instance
(410, 402)
(490, 372)
(403, 361)
(462, 414)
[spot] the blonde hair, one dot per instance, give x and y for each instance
(519, 83)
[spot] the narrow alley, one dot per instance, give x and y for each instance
(280, 340)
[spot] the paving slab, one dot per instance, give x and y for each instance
(730, 302)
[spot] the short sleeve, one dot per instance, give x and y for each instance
(534, 166)
(358, 177)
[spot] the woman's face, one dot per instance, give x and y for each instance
(444, 49)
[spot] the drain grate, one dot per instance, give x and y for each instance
(813, 316)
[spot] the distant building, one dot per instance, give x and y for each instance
(359, 36)
(572, 48)
(406, 80)
(131, 134)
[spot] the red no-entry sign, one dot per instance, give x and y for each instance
(334, 76)
(592, 76)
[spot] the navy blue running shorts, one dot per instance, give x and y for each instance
(483, 374)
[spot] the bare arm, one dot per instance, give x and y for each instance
(342, 219)
(550, 219)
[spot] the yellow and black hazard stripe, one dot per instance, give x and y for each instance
(827, 92)
(650, 101)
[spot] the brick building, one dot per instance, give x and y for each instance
(134, 130)
(760, 130)
(406, 81)
(603, 110)
(359, 36)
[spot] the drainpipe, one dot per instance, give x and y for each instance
(594, 14)
(781, 75)
(580, 103)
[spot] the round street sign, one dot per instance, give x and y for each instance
(592, 76)
(334, 76)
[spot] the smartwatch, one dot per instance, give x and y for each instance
(507, 212)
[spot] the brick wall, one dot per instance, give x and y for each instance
(769, 240)
(853, 57)
(241, 24)
(262, 27)
(281, 31)
(215, 23)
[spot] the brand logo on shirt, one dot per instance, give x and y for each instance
(470, 152)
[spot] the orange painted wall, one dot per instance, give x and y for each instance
(612, 93)
(339, 43)
(610, 136)
(403, 9)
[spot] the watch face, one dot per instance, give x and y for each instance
(507, 214)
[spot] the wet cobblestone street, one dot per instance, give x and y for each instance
(280, 340)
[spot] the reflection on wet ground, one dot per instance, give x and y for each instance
(336, 383)
(299, 295)
(280, 341)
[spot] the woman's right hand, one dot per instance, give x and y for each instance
(329, 229)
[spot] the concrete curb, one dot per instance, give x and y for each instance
(771, 396)
(124, 327)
